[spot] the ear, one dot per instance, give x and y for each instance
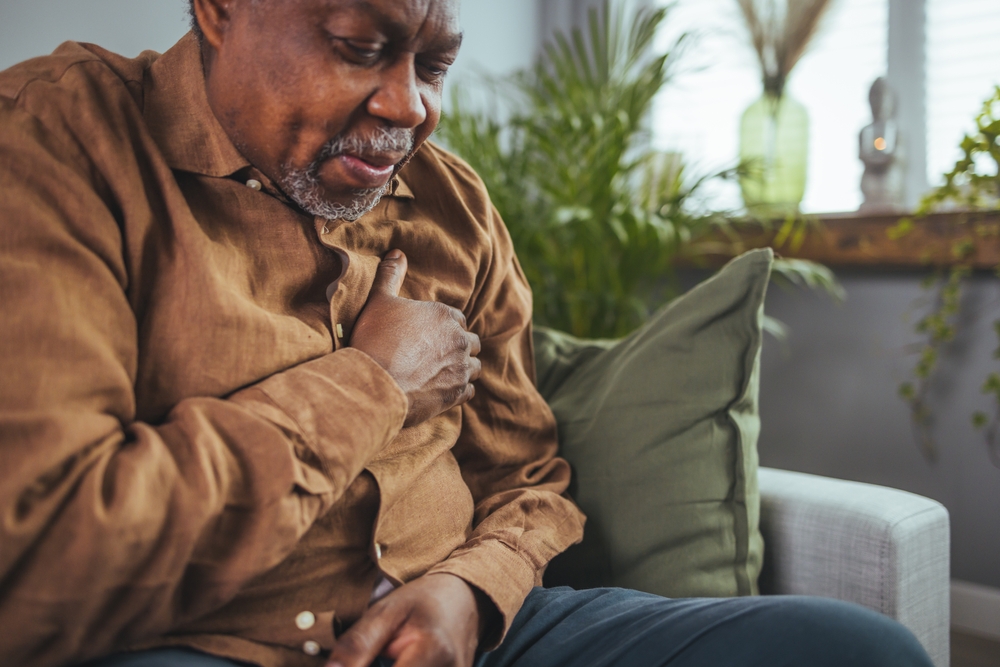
(214, 17)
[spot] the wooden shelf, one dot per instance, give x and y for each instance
(858, 240)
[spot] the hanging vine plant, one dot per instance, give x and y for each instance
(973, 187)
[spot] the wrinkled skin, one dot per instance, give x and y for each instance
(392, 328)
(286, 78)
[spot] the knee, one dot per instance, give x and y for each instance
(823, 631)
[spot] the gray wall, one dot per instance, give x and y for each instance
(499, 36)
(829, 402)
(31, 28)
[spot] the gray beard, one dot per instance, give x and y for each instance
(304, 188)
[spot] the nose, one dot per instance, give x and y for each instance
(397, 99)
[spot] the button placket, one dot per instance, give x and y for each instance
(348, 298)
(335, 295)
(311, 631)
(336, 307)
(305, 620)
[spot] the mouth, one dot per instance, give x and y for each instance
(369, 171)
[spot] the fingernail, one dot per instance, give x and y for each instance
(392, 254)
(334, 664)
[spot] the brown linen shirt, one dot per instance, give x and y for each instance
(190, 452)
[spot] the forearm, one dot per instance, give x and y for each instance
(147, 527)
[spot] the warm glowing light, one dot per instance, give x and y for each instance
(880, 144)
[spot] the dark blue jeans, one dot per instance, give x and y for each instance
(560, 627)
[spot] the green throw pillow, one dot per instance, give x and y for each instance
(661, 429)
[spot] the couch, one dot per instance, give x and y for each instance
(661, 428)
(882, 548)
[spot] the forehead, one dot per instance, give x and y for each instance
(407, 18)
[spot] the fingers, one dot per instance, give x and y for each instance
(458, 316)
(476, 369)
(366, 639)
(390, 273)
(475, 345)
(425, 653)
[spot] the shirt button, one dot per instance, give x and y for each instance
(378, 551)
(254, 184)
(305, 620)
(310, 648)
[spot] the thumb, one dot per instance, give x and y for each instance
(390, 274)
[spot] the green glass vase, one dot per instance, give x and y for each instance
(774, 146)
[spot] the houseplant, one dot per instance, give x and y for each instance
(598, 218)
(774, 130)
(972, 187)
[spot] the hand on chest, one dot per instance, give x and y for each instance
(239, 300)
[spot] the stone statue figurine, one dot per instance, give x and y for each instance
(881, 150)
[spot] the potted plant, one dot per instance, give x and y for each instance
(774, 130)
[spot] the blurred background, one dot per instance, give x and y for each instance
(830, 402)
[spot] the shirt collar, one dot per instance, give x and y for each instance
(177, 113)
(400, 189)
(180, 119)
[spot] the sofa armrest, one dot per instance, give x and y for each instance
(885, 549)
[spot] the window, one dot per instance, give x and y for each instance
(963, 63)
(699, 112)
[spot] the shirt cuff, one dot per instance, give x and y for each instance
(343, 407)
(498, 571)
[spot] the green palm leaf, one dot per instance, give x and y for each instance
(570, 170)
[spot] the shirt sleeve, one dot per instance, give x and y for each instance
(160, 523)
(508, 448)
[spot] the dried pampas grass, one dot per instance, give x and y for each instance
(780, 31)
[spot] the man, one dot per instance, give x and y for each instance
(268, 394)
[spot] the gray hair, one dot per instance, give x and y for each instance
(304, 188)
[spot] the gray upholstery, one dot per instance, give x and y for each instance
(885, 549)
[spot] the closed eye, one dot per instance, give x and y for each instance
(359, 52)
(433, 72)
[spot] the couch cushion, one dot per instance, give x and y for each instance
(661, 429)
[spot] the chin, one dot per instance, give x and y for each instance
(306, 191)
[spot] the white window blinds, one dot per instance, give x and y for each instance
(963, 65)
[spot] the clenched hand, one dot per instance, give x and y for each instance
(423, 345)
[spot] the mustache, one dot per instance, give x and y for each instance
(384, 140)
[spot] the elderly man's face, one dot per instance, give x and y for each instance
(329, 97)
